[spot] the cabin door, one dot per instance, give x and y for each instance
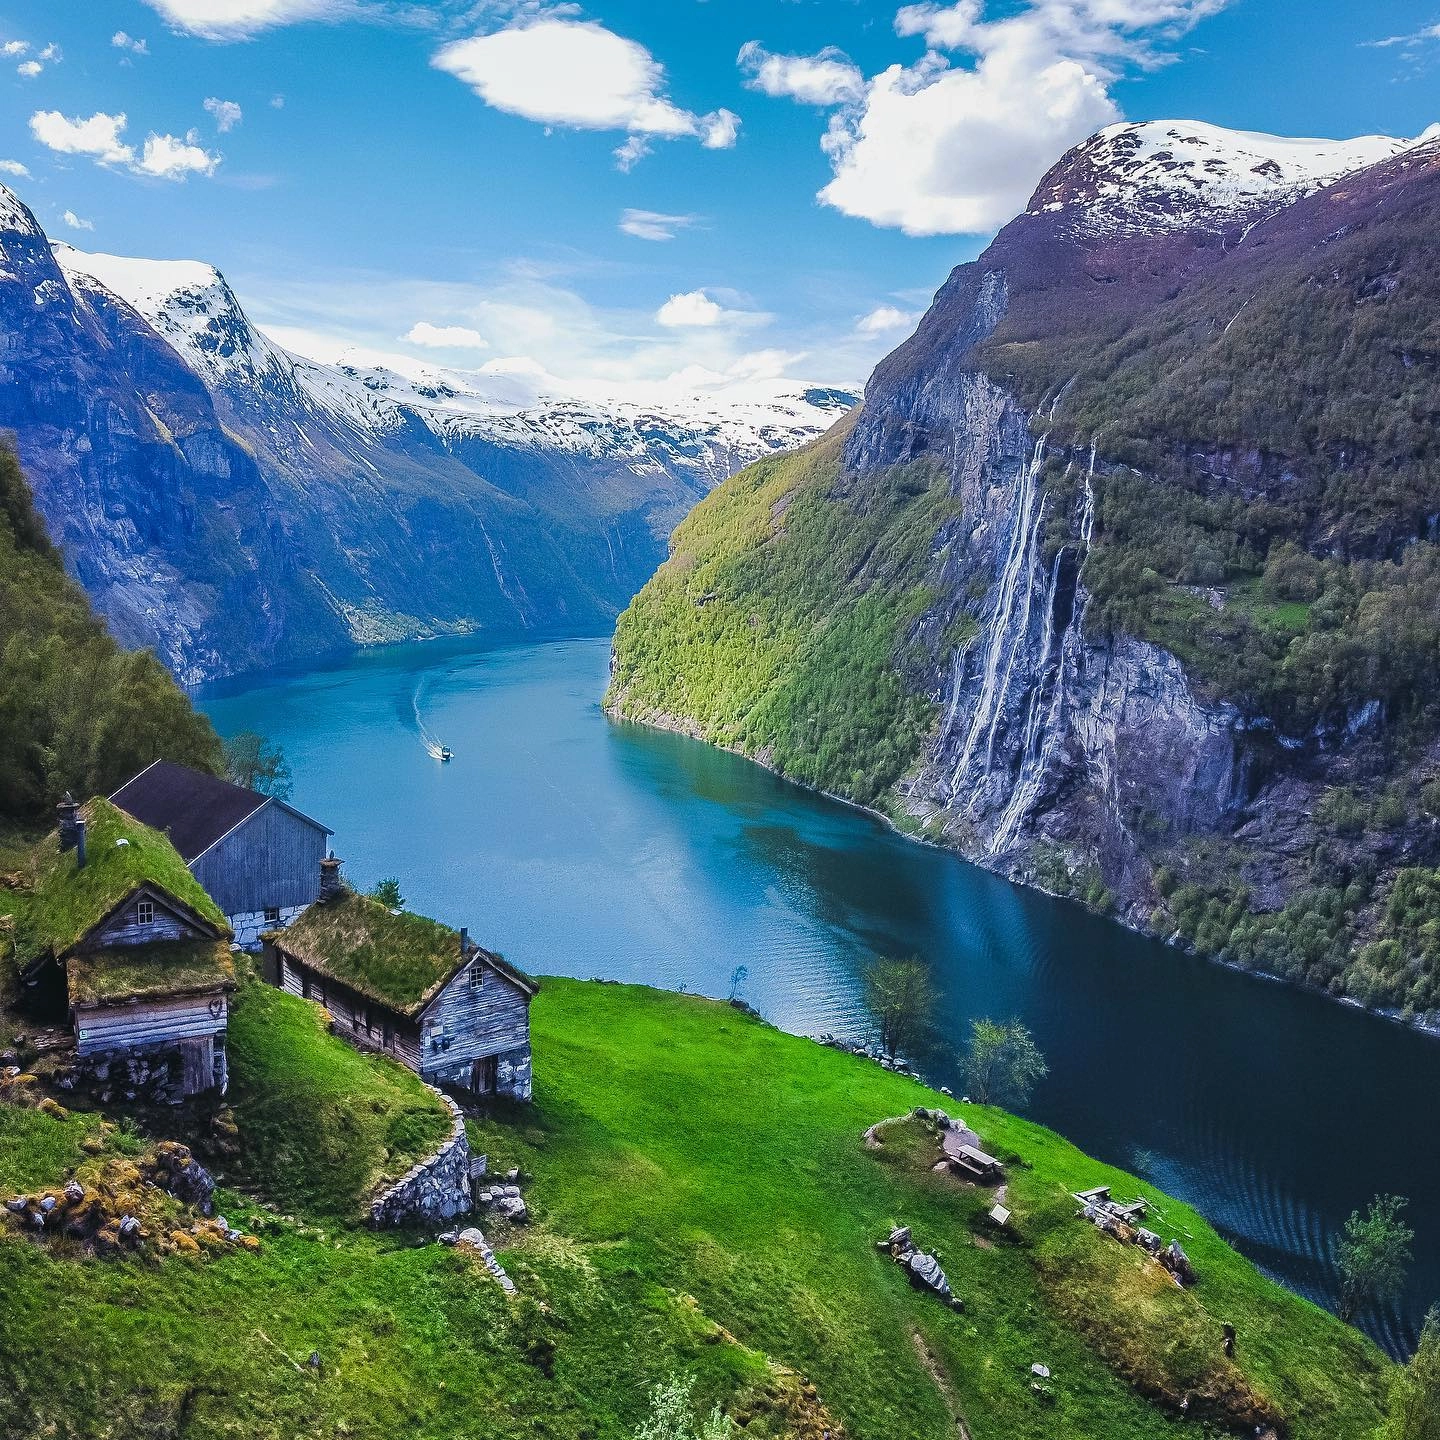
(197, 1058)
(482, 1076)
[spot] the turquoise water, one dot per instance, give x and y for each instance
(576, 846)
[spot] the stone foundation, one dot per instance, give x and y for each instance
(154, 1075)
(437, 1188)
(252, 924)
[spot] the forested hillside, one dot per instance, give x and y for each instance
(77, 712)
(1166, 634)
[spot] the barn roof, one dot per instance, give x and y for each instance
(398, 958)
(143, 972)
(62, 903)
(194, 808)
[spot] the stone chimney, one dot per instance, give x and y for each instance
(331, 886)
(464, 941)
(68, 813)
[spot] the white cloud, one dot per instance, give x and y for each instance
(101, 137)
(936, 148)
(654, 224)
(829, 78)
(240, 19)
(226, 112)
(15, 47)
(1409, 41)
(277, 102)
(631, 152)
(29, 69)
(170, 158)
(884, 318)
(121, 41)
(445, 337)
(575, 73)
(695, 308)
(75, 222)
(15, 168)
(51, 54)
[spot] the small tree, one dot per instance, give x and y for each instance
(252, 761)
(738, 976)
(387, 892)
(901, 997)
(1414, 1412)
(1373, 1255)
(1003, 1063)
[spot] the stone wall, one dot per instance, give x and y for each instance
(250, 925)
(154, 1074)
(435, 1189)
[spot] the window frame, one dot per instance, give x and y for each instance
(144, 912)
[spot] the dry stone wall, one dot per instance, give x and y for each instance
(435, 1189)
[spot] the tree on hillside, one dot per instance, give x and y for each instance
(1373, 1255)
(252, 761)
(1003, 1063)
(1414, 1412)
(901, 998)
(387, 892)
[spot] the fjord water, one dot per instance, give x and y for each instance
(576, 846)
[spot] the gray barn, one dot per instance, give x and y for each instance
(410, 987)
(257, 856)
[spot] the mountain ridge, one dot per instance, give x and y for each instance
(232, 505)
(1157, 563)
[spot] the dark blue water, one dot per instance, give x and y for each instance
(581, 847)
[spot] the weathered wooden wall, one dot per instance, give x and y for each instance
(491, 1018)
(125, 928)
(362, 1021)
(270, 860)
(144, 1023)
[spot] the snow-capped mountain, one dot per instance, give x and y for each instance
(231, 504)
(710, 431)
(1183, 174)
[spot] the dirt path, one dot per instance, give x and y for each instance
(936, 1372)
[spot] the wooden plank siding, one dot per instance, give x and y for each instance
(363, 1022)
(271, 860)
(124, 927)
(477, 1020)
(147, 1023)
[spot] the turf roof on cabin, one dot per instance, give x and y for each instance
(64, 902)
(393, 956)
(144, 972)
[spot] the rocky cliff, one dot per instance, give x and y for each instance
(1140, 605)
(232, 505)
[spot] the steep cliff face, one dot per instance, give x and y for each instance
(1173, 629)
(232, 505)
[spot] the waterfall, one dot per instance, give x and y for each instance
(1000, 644)
(1042, 737)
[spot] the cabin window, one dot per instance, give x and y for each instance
(272, 914)
(145, 912)
(477, 975)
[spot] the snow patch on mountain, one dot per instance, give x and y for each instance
(1184, 174)
(709, 425)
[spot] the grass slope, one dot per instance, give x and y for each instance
(322, 1124)
(678, 1150)
(775, 626)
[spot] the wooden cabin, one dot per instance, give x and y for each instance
(110, 915)
(410, 987)
(256, 855)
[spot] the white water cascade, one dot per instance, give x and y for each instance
(1009, 620)
(1041, 736)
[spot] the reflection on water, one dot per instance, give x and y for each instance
(585, 848)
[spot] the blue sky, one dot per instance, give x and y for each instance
(497, 180)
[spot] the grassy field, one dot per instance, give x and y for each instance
(704, 1203)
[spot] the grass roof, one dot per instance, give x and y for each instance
(395, 957)
(64, 902)
(142, 972)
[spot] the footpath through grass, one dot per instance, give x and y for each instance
(693, 1169)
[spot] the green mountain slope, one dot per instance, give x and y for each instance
(77, 712)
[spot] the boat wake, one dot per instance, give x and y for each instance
(433, 747)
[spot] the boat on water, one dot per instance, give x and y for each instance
(445, 752)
